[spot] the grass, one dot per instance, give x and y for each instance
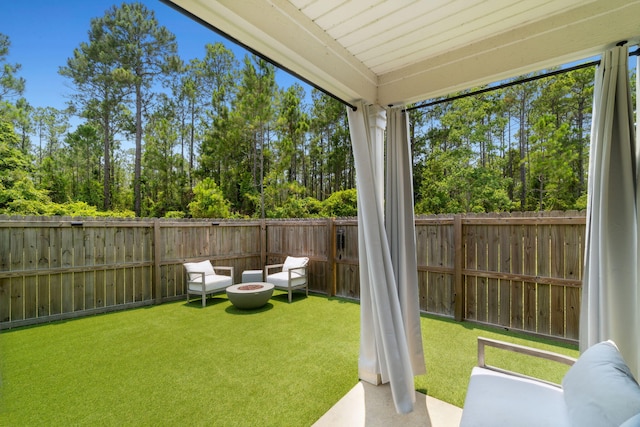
(177, 363)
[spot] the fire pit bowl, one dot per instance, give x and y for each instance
(248, 296)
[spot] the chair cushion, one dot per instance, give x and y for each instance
(599, 389)
(281, 279)
(293, 262)
(498, 399)
(212, 283)
(199, 267)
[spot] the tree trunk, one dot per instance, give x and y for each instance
(523, 177)
(138, 157)
(106, 188)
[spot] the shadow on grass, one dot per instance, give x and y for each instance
(237, 311)
(211, 302)
(284, 298)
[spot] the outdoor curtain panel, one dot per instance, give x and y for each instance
(401, 231)
(386, 298)
(610, 291)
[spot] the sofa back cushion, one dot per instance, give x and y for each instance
(599, 389)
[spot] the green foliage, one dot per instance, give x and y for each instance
(18, 193)
(287, 200)
(269, 149)
(451, 185)
(82, 209)
(208, 201)
(307, 207)
(174, 214)
(341, 204)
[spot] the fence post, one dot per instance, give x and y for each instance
(263, 242)
(157, 251)
(331, 262)
(458, 293)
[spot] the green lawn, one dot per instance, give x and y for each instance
(180, 364)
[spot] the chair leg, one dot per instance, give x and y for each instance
(204, 300)
(289, 295)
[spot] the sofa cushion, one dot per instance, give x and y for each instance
(599, 389)
(498, 399)
(199, 267)
(294, 262)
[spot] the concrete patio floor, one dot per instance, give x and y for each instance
(372, 406)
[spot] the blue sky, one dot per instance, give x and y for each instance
(43, 34)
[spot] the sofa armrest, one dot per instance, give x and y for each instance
(529, 351)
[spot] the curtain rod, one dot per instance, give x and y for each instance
(513, 83)
(255, 52)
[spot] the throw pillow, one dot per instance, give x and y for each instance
(599, 389)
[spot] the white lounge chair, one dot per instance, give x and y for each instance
(598, 390)
(292, 275)
(203, 280)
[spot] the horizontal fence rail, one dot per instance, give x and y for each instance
(520, 271)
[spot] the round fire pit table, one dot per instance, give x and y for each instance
(247, 296)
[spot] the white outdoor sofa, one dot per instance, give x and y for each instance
(598, 390)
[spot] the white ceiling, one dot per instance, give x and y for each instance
(404, 51)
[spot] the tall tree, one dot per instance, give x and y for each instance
(85, 163)
(100, 93)
(242, 148)
(519, 99)
(207, 91)
(144, 51)
(10, 84)
(329, 147)
(164, 176)
(289, 149)
(217, 75)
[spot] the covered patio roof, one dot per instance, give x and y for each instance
(402, 51)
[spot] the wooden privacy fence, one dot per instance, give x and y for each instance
(520, 272)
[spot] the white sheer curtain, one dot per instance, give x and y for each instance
(610, 292)
(401, 231)
(384, 351)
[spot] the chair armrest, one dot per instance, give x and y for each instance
(229, 270)
(529, 351)
(224, 268)
(196, 280)
(270, 267)
(303, 273)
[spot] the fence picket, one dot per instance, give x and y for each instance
(517, 286)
